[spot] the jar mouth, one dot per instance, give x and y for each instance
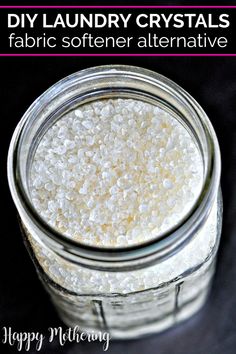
(152, 86)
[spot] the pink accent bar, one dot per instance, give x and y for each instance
(120, 7)
(116, 55)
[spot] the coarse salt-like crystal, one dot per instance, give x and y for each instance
(167, 184)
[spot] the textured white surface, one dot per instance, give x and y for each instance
(115, 172)
(89, 281)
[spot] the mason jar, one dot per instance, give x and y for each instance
(139, 289)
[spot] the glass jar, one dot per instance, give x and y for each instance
(135, 290)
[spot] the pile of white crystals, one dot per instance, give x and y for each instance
(115, 172)
(83, 280)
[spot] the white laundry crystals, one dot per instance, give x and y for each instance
(115, 172)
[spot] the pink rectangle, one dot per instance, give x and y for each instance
(120, 7)
(116, 55)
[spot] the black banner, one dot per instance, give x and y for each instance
(118, 30)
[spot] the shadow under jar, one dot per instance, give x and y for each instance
(148, 283)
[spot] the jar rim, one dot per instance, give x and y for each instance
(153, 250)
